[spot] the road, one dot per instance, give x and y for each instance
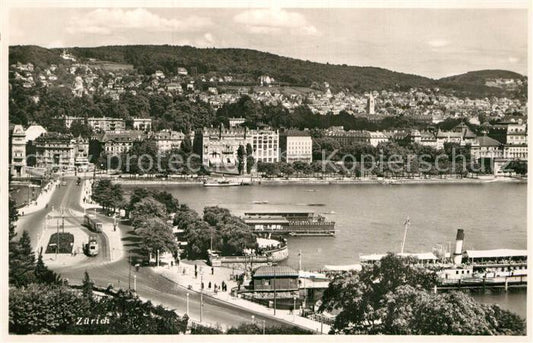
(150, 285)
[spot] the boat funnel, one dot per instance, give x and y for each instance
(458, 252)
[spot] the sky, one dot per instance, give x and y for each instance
(428, 42)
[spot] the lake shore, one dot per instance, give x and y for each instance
(320, 181)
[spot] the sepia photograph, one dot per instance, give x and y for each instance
(265, 168)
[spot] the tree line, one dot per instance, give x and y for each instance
(41, 302)
(394, 297)
(175, 113)
(149, 213)
(218, 230)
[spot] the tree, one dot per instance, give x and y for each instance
(13, 217)
(409, 311)
(198, 236)
(519, 167)
(271, 169)
(110, 196)
(101, 192)
(186, 145)
(136, 196)
(145, 209)
(53, 309)
(250, 161)
(231, 234)
(79, 128)
(155, 236)
(240, 158)
(141, 158)
(21, 261)
(254, 329)
(394, 296)
(43, 309)
(43, 274)
(117, 197)
(87, 287)
(167, 200)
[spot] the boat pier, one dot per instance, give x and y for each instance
(502, 283)
(293, 223)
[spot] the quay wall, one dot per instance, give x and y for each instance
(313, 181)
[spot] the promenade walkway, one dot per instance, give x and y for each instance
(41, 201)
(184, 276)
(85, 195)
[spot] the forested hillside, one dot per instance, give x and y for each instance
(248, 65)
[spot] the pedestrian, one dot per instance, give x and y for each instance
(195, 274)
(202, 285)
(183, 271)
(209, 285)
(212, 271)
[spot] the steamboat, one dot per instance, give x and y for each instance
(474, 269)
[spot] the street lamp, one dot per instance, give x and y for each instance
(57, 236)
(294, 309)
(201, 294)
(275, 305)
(188, 304)
(253, 319)
(135, 283)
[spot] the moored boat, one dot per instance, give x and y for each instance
(221, 183)
(469, 268)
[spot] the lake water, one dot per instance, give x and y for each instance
(369, 218)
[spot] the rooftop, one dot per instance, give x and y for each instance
(356, 267)
(486, 141)
(496, 253)
(275, 271)
(54, 136)
(420, 256)
(129, 135)
(295, 133)
(266, 220)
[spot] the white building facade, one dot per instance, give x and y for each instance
(296, 146)
(18, 152)
(265, 145)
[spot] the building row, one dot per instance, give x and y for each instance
(220, 146)
(49, 151)
(223, 147)
(104, 124)
(507, 139)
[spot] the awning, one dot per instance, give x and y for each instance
(496, 253)
(340, 268)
